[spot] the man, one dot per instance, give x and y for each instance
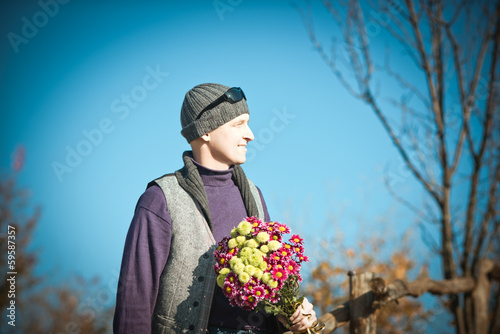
(167, 280)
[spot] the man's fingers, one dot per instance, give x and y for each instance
(307, 306)
(296, 314)
(303, 317)
(301, 325)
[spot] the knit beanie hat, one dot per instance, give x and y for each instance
(196, 100)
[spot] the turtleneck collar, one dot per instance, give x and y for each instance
(214, 178)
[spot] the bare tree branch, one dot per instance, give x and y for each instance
(493, 236)
(489, 214)
(336, 318)
(428, 239)
(399, 288)
(330, 62)
(406, 203)
(488, 121)
(425, 65)
(403, 82)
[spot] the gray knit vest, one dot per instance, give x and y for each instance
(188, 280)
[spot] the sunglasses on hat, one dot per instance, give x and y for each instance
(233, 95)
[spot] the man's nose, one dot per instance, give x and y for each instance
(249, 134)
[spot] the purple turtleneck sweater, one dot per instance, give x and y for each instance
(147, 247)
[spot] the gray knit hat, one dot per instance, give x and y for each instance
(196, 100)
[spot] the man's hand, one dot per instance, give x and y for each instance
(302, 318)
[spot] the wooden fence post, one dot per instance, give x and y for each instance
(362, 316)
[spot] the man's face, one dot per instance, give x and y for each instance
(228, 142)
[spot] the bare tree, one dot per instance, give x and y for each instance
(443, 120)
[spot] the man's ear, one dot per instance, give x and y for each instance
(205, 137)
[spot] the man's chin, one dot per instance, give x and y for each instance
(241, 161)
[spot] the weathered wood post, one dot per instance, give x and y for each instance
(362, 316)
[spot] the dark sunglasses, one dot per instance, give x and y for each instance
(233, 95)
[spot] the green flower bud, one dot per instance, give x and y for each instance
(244, 228)
(224, 271)
(234, 233)
(241, 239)
(251, 243)
(234, 260)
(266, 277)
(274, 245)
(232, 243)
(244, 277)
(220, 280)
(258, 273)
(262, 237)
(238, 268)
(256, 259)
(263, 265)
(250, 270)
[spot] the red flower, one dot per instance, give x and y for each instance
(298, 249)
(232, 278)
(275, 258)
(229, 290)
(284, 252)
(241, 301)
(259, 292)
(276, 235)
(279, 274)
(274, 298)
(252, 302)
(303, 258)
(282, 228)
(296, 239)
(292, 267)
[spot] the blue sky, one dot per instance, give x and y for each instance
(317, 150)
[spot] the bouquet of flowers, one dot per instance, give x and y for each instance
(256, 268)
